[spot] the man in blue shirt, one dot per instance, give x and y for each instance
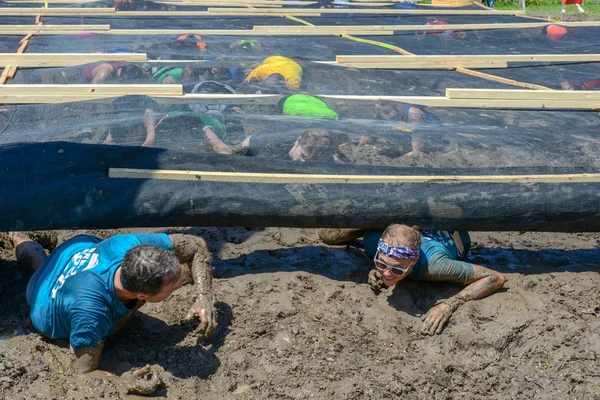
(402, 252)
(88, 287)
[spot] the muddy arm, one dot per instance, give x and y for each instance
(484, 282)
(150, 125)
(193, 254)
(86, 359)
(101, 73)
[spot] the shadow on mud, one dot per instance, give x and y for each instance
(332, 263)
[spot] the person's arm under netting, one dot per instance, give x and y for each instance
(480, 282)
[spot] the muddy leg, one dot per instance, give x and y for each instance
(30, 254)
(340, 235)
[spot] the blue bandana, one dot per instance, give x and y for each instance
(396, 251)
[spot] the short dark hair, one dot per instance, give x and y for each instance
(130, 73)
(148, 269)
(316, 143)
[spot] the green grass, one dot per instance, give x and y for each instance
(549, 8)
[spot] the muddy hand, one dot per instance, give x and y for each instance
(204, 309)
(143, 382)
(436, 319)
(375, 281)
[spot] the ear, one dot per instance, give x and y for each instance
(141, 296)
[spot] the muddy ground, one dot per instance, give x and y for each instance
(297, 320)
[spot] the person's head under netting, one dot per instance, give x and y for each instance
(134, 121)
(187, 46)
(246, 46)
(405, 113)
(213, 87)
(443, 34)
(277, 72)
(114, 71)
(317, 145)
(175, 75)
(314, 114)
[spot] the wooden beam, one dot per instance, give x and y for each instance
(51, 29)
(23, 11)
(517, 94)
(435, 101)
(268, 30)
(34, 97)
(93, 90)
(235, 32)
(500, 79)
(332, 29)
(66, 60)
(452, 3)
(409, 64)
(356, 4)
(244, 3)
(521, 58)
(274, 178)
(386, 11)
(51, 1)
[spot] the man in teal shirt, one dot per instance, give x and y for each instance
(402, 252)
(88, 287)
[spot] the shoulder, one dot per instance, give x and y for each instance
(86, 285)
(122, 243)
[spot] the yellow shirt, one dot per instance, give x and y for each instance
(289, 69)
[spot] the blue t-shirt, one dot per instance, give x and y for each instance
(438, 260)
(73, 294)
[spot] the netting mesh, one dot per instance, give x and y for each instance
(280, 103)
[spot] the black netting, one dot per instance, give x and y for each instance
(276, 104)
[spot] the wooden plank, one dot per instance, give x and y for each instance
(21, 11)
(52, 28)
(500, 79)
(517, 94)
(358, 28)
(452, 3)
(274, 178)
(4, 76)
(408, 64)
(65, 90)
(435, 101)
(33, 97)
(356, 4)
(522, 58)
(65, 60)
(240, 32)
(386, 11)
(51, 1)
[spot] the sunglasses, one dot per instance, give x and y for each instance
(382, 266)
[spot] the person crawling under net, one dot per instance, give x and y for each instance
(400, 252)
(88, 287)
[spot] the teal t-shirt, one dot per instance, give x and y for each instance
(438, 259)
(73, 295)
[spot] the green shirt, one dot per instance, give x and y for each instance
(304, 105)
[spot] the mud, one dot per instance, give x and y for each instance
(298, 320)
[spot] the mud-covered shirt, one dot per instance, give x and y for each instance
(73, 295)
(438, 259)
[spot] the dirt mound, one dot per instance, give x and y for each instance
(297, 320)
